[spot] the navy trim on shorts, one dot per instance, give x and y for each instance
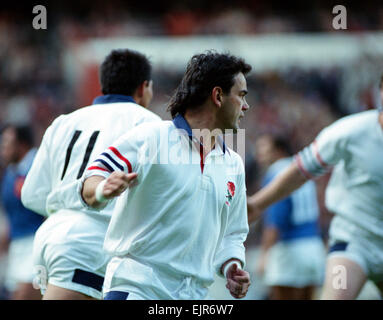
(339, 246)
(116, 295)
(88, 279)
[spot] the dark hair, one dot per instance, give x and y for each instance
(281, 143)
(123, 70)
(204, 72)
(381, 82)
(24, 133)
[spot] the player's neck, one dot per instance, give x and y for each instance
(138, 99)
(202, 119)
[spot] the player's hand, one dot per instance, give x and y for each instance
(117, 183)
(238, 281)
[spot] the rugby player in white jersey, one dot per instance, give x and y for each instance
(68, 246)
(353, 148)
(181, 221)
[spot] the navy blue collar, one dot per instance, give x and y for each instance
(113, 98)
(181, 123)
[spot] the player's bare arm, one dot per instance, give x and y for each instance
(287, 182)
(238, 280)
(116, 184)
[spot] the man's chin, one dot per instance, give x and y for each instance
(236, 127)
(233, 128)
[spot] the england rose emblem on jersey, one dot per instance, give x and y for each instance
(230, 192)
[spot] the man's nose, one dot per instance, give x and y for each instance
(245, 106)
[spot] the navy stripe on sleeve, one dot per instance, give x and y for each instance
(114, 161)
(105, 164)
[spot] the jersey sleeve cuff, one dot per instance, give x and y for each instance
(81, 185)
(232, 252)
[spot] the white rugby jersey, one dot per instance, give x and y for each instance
(69, 145)
(352, 145)
(183, 215)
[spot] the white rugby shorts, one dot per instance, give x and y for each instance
(350, 241)
(68, 253)
(19, 262)
(296, 263)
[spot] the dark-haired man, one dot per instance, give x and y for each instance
(17, 153)
(68, 246)
(292, 255)
(182, 220)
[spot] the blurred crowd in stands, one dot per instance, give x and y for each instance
(33, 87)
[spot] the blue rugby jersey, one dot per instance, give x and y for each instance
(22, 222)
(297, 215)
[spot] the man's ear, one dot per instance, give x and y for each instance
(216, 96)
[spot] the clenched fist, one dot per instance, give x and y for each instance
(238, 281)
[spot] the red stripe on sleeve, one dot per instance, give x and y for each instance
(119, 155)
(317, 155)
(97, 168)
(298, 161)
